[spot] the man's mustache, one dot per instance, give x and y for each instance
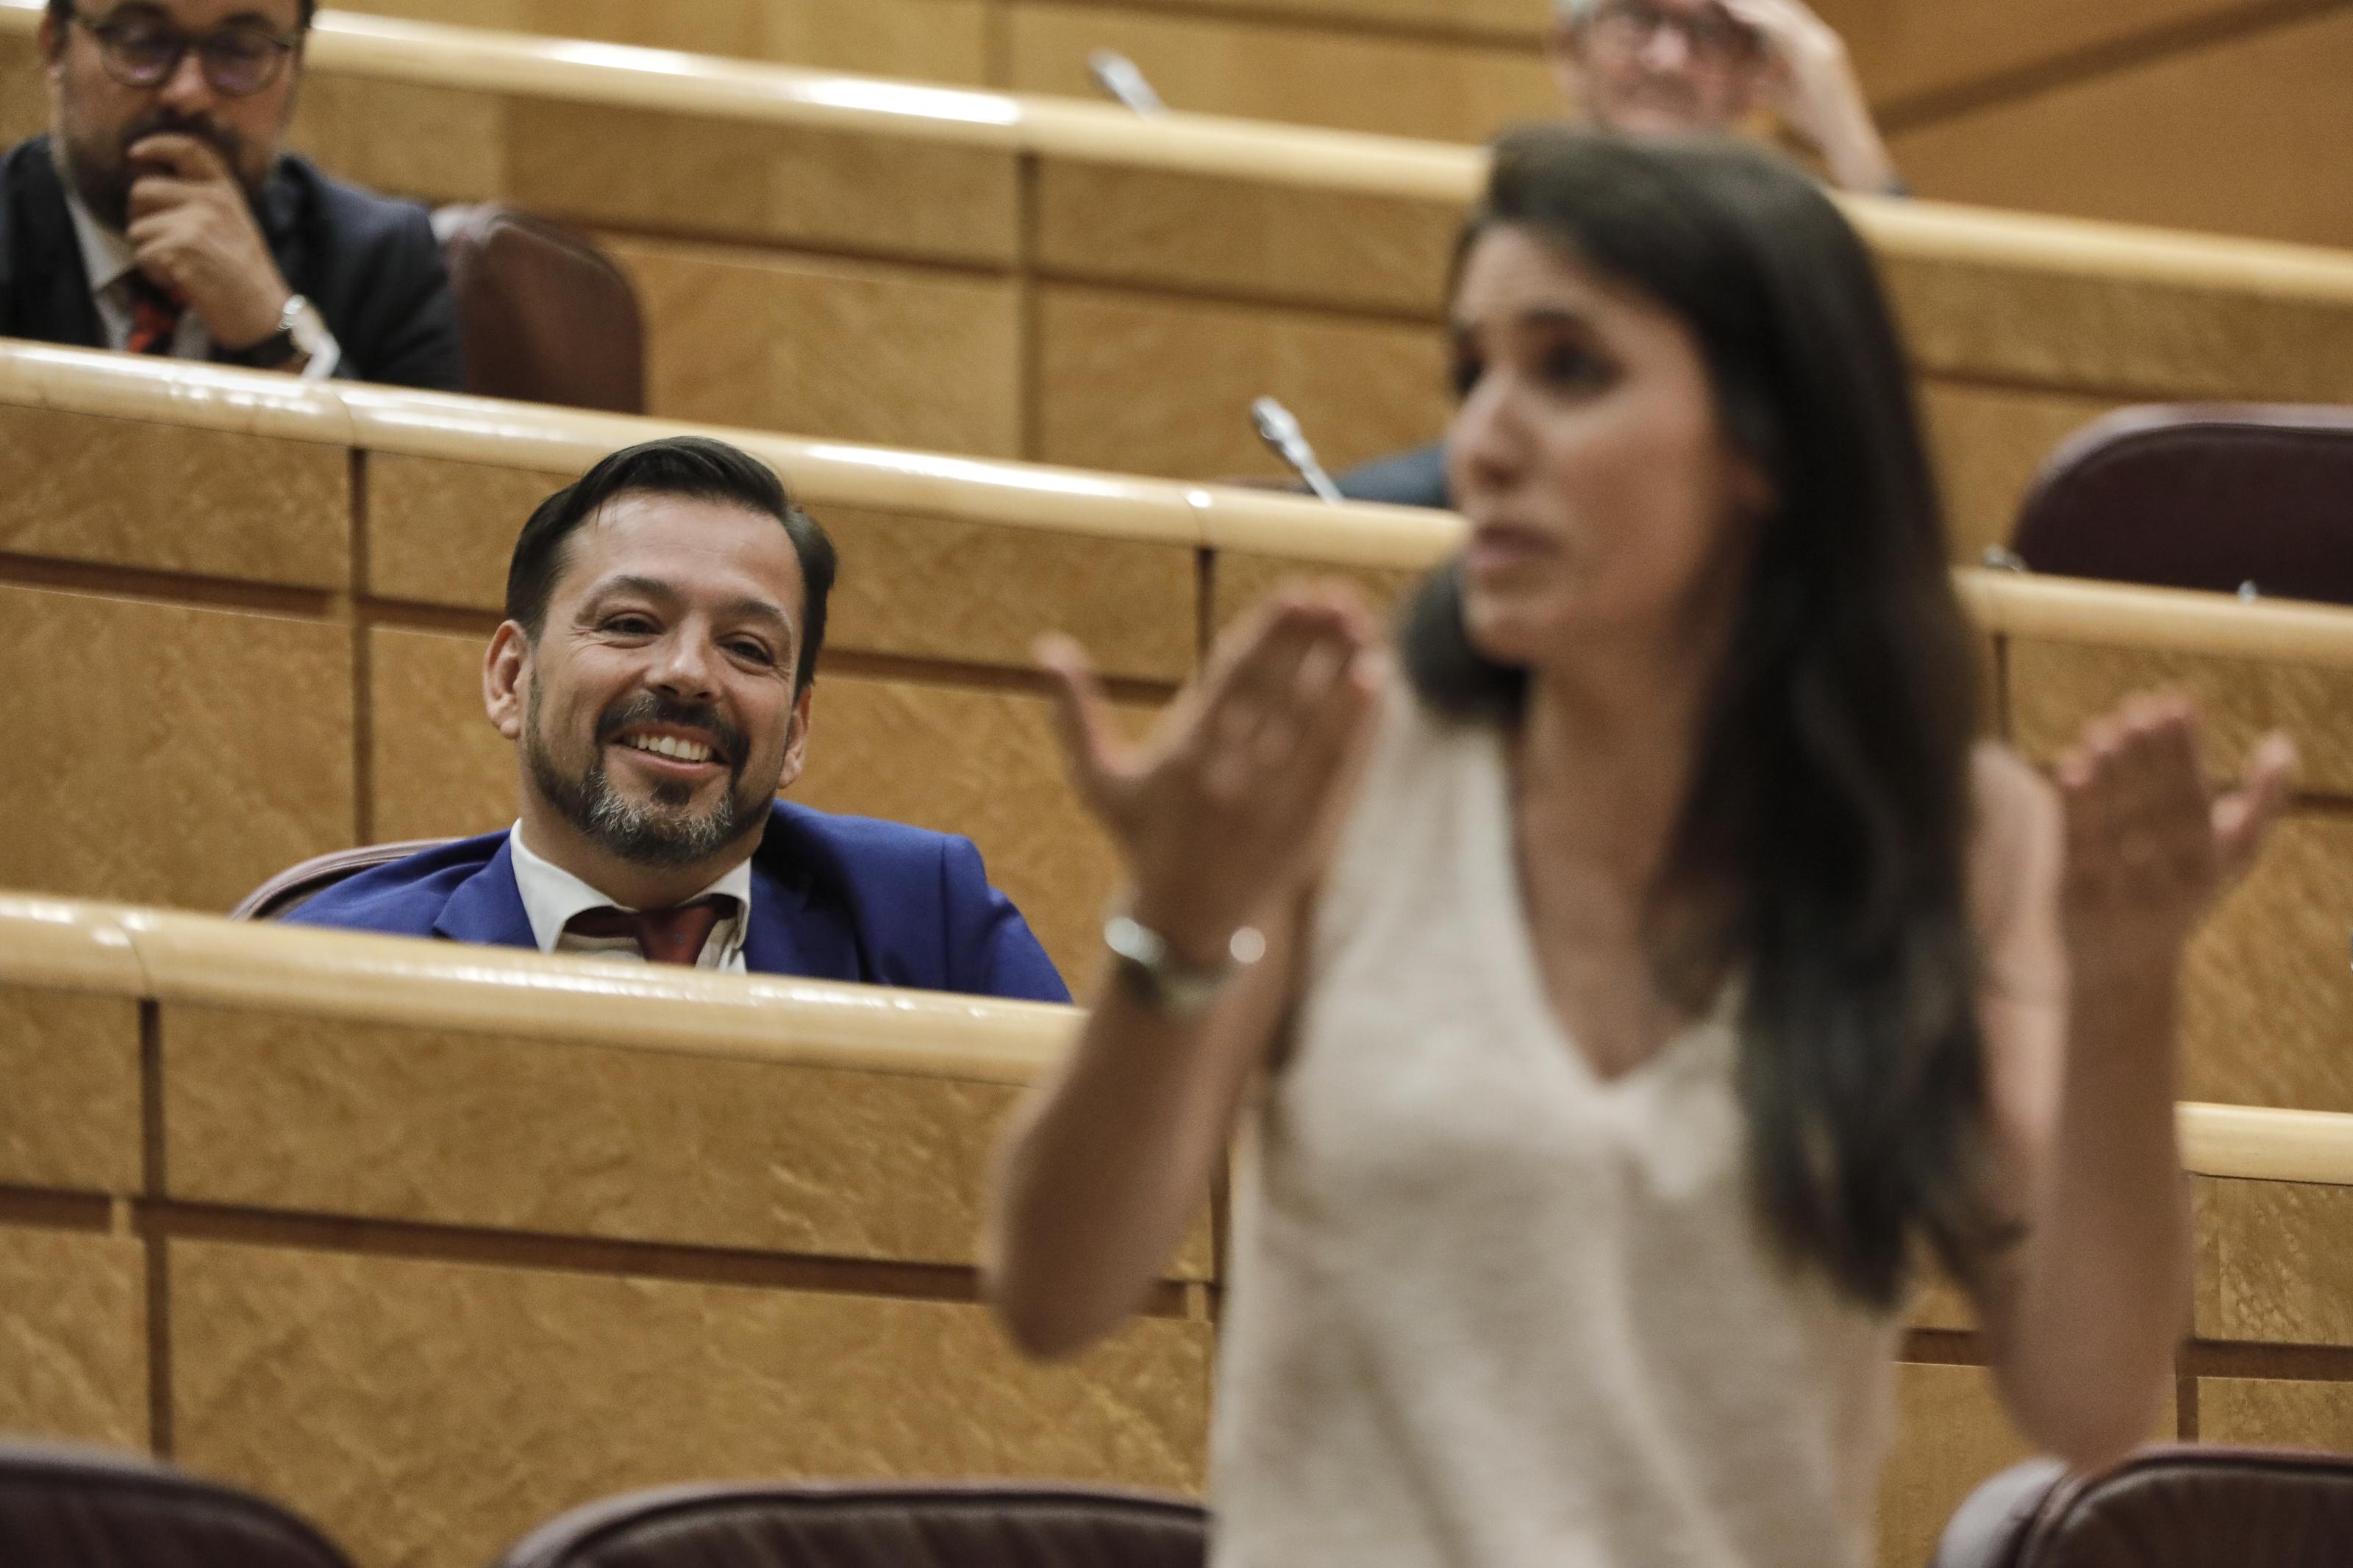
(653, 708)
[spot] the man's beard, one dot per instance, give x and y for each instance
(102, 177)
(657, 834)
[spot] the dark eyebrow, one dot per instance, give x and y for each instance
(1547, 316)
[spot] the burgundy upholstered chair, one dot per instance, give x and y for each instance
(2192, 1506)
(545, 315)
(2200, 496)
(298, 885)
(82, 1507)
(951, 1525)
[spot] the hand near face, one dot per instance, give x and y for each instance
(195, 233)
(1810, 83)
(2150, 847)
(1220, 810)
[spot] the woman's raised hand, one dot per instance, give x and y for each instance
(2150, 844)
(1221, 809)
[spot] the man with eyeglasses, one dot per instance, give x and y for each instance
(1669, 67)
(158, 216)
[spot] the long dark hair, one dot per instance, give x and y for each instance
(1823, 839)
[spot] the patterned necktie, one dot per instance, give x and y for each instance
(154, 317)
(664, 936)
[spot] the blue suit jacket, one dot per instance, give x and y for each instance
(833, 898)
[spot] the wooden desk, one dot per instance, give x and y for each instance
(309, 575)
(432, 1242)
(1021, 275)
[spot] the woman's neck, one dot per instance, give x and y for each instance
(1605, 755)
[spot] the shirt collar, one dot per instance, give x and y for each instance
(552, 895)
(106, 254)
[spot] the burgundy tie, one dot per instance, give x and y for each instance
(154, 317)
(664, 936)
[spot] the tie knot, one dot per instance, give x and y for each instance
(674, 935)
(155, 316)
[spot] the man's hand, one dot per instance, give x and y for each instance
(194, 235)
(1812, 86)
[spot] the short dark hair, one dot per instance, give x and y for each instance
(61, 15)
(1831, 787)
(692, 468)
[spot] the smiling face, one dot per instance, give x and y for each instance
(96, 120)
(1657, 66)
(1605, 501)
(654, 712)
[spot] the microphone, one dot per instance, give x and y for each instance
(1118, 76)
(1279, 428)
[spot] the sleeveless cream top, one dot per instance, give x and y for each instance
(1488, 1309)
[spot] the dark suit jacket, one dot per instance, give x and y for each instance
(833, 898)
(371, 266)
(1408, 479)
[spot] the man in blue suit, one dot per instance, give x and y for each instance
(663, 619)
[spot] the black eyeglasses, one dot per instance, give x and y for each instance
(1711, 36)
(141, 51)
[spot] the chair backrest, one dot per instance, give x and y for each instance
(544, 315)
(2190, 1506)
(76, 1508)
(954, 1525)
(2200, 496)
(298, 885)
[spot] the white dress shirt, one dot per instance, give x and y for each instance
(552, 896)
(108, 260)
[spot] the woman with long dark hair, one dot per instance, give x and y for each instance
(1622, 999)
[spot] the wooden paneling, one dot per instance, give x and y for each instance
(428, 1413)
(2056, 687)
(1989, 444)
(1311, 76)
(1914, 47)
(258, 508)
(419, 140)
(273, 1111)
(1243, 580)
(2274, 1263)
(436, 768)
(980, 763)
(2236, 137)
(934, 40)
(73, 1323)
(703, 174)
(1952, 1433)
(71, 1114)
(168, 754)
(2275, 1413)
(2276, 952)
(1139, 384)
(441, 532)
(1242, 237)
(962, 593)
(864, 352)
(24, 103)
